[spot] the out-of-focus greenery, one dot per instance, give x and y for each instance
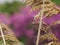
(1, 42)
(10, 7)
(56, 2)
(13, 7)
(22, 39)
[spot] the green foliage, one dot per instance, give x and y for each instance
(10, 7)
(56, 2)
(1, 42)
(22, 39)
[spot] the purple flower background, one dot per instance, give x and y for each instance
(56, 28)
(21, 20)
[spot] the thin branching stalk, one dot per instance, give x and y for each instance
(40, 24)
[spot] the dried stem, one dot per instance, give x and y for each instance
(2, 35)
(40, 24)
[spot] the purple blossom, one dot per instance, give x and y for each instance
(51, 19)
(21, 21)
(56, 28)
(4, 19)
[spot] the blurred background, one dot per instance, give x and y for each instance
(18, 17)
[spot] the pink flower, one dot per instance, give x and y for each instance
(20, 22)
(4, 19)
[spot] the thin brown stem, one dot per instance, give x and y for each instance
(40, 24)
